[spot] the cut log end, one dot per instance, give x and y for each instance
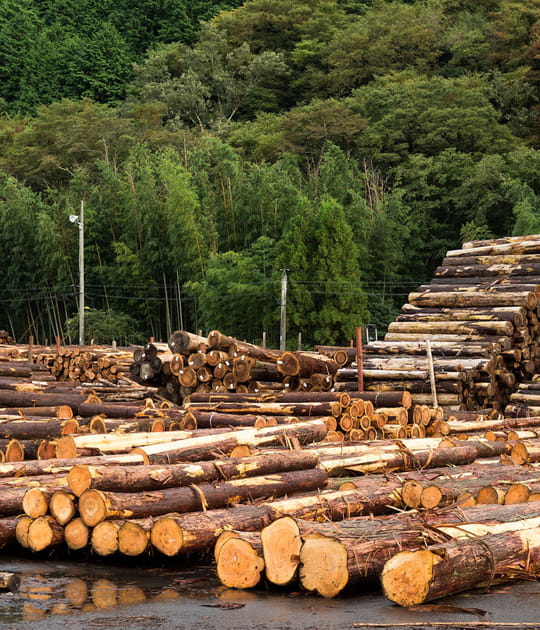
(79, 479)
(21, 531)
(42, 533)
(62, 507)
(166, 536)
(132, 539)
(323, 565)
(76, 534)
(105, 538)
(92, 507)
(239, 565)
(35, 503)
(406, 577)
(281, 547)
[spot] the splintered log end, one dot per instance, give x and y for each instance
(35, 503)
(21, 531)
(431, 497)
(44, 532)
(62, 507)
(519, 454)
(105, 538)
(323, 565)
(14, 451)
(142, 453)
(242, 450)
(79, 479)
(406, 577)
(76, 534)
(66, 448)
(132, 539)
(166, 536)
(281, 543)
(517, 493)
(411, 493)
(222, 539)
(239, 565)
(93, 507)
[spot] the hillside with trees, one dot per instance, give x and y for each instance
(216, 143)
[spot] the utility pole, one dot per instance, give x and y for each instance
(283, 322)
(79, 220)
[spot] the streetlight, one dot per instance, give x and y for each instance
(79, 220)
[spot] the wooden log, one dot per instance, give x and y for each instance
(76, 534)
(414, 577)
(500, 328)
(239, 562)
(142, 478)
(184, 342)
(476, 299)
(43, 533)
(298, 364)
(204, 447)
(96, 506)
(332, 408)
(134, 536)
(175, 534)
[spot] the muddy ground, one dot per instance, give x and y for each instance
(67, 593)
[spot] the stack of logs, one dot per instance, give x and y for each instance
(480, 314)
(87, 364)
(177, 492)
(218, 363)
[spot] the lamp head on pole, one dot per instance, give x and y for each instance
(74, 218)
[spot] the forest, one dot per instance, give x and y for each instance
(215, 144)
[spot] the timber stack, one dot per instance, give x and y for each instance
(87, 364)
(218, 363)
(480, 315)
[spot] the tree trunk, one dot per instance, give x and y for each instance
(96, 506)
(143, 478)
(414, 577)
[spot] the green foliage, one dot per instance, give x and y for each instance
(238, 293)
(104, 326)
(351, 142)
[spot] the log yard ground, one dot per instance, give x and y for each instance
(211, 482)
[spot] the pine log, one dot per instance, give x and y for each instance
(414, 577)
(239, 561)
(96, 506)
(184, 342)
(142, 478)
(43, 533)
(76, 534)
(203, 448)
(175, 534)
(476, 299)
(298, 364)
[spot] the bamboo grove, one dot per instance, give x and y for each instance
(353, 150)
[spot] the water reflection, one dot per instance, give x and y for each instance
(65, 588)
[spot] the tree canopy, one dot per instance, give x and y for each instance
(216, 144)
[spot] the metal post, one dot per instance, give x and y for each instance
(359, 358)
(431, 373)
(81, 275)
(283, 322)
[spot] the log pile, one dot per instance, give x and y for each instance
(87, 364)
(480, 315)
(350, 416)
(218, 363)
